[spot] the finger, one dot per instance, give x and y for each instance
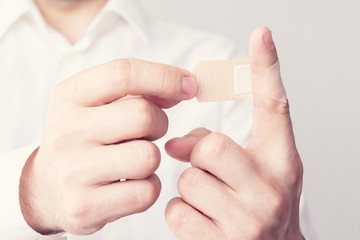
(162, 102)
(113, 201)
(131, 118)
(204, 191)
(180, 148)
(130, 160)
(272, 128)
(215, 153)
(110, 81)
(225, 159)
(188, 224)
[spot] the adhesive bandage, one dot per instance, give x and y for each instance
(223, 80)
(273, 83)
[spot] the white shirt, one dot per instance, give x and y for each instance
(34, 57)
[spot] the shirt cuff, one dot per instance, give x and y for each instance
(305, 222)
(12, 222)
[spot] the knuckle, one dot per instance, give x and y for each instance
(298, 171)
(82, 216)
(78, 213)
(273, 107)
(217, 138)
(58, 94)
(69, 176)
(216, 144)
(146, 115)
(165, 72)
(123, 71)
(92, 229)
(65, 130)
(180, 218)
(256, 230)
(72, 174)
(211, 148)
(293, 178)
(63, 92)
(276, 204)
(282, 108)
(291, 175)
(64, 138)
(189, 180)
(274, 59)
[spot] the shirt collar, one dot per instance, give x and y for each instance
(132, 14)
(12, 10)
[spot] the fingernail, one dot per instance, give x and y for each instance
(189, 86)
(268, 40)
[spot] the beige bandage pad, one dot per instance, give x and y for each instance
(223, 80)
(273, 83)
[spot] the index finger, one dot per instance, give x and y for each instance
(113, 80)
(215, 153)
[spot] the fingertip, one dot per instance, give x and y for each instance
(262, 48)
(268, 40)
(153, 190)
(259, 32)
(256, 38)
(178, 148)
(168, 146)
(156, 181)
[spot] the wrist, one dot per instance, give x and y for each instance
(294, 232)
(295, 236)
(32, 213)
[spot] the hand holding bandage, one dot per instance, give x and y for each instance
(100, 128)
(236, 193)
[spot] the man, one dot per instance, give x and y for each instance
(102, 121)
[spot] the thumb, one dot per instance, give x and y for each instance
(272, 128)
(180, 148)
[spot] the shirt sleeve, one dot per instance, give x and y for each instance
(12, 224)
(305, 221)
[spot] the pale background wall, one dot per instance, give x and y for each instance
(318, 43)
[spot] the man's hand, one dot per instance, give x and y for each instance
(235, 193)
(99, 128)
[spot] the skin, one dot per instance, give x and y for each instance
(236, 193)
(70, 17)
(100, 126)
(95, 135)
